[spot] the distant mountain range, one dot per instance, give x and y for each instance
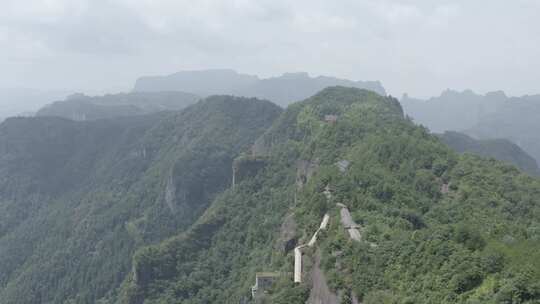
(82, 107)
(493, 119)
(490, 116)
(500, 149)
(483, 117)
(283, 90)
(518, 120)
(452, 110)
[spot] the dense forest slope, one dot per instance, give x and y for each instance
(189, 206)
(77, 198)
(283, 90)
(81, 107)
(436, 226)
(500, 149)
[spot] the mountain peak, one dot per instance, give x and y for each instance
(347, 96)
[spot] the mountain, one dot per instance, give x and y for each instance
(78, 198)
(82, 107)
(501, 149)
(291, 87)
(203, 83)
(490, 116)
(517, 120)
(386, 211)
(283, 90)
(16, 101)
(340, 198)
(452, 110)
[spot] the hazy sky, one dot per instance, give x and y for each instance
(420, 47)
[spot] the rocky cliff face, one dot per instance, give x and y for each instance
(304, 171)
(320, 292)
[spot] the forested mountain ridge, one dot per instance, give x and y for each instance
(81, 107)
(77, 198)
(436, 227)
(501, 149)
(283, 90)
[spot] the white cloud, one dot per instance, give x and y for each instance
(397, 13)
(442, 15)
(41, 11)
(3, 34)
(418, 46)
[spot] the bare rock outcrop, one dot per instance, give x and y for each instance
(287, 235)
(170, 193)
(320, 292)
(305, 169)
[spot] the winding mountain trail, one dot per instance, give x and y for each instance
(320, 292)
(347, 222)
(311, 243)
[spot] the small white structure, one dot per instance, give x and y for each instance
(323, 225)
(343, 165)
(263, 281)
(298, 265)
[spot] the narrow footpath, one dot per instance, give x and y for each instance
(347, 222)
